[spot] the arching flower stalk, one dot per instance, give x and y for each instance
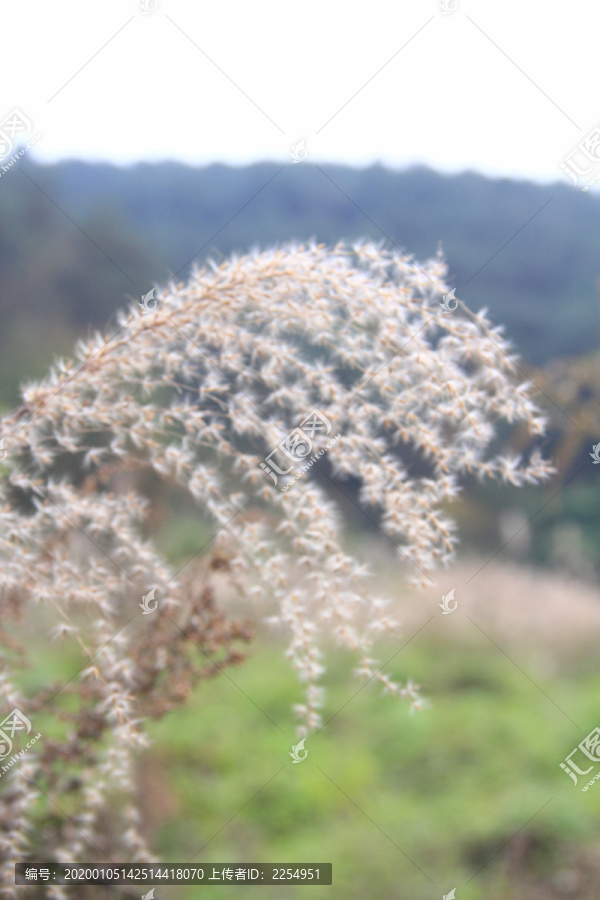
(335, 364)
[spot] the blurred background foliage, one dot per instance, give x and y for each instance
(452, 790)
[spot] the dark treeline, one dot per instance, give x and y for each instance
(76, 239)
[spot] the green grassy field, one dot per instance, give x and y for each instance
(404, 806)
(465, 794)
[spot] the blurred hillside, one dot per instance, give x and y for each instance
(77, 238)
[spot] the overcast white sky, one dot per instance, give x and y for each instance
(507, 88)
